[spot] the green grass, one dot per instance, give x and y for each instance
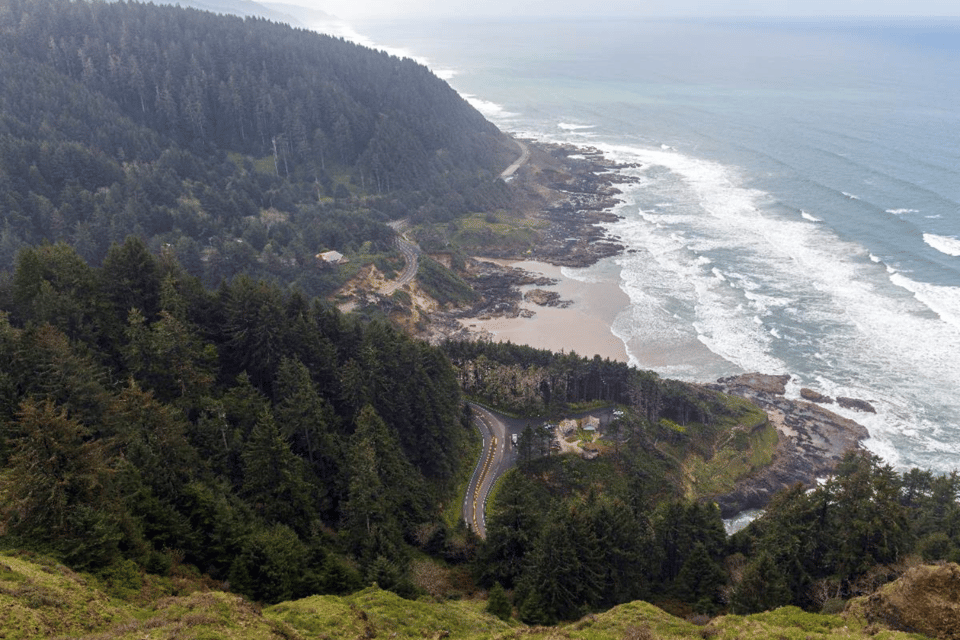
(453, 512)
(443, 285)
(712, 458)
(40, 598)
(484, 230)
(376, 613)
(739, 453)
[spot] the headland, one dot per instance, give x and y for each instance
(514, 262)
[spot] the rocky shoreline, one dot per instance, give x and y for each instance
(573, 191)
(569, 191)
(812, 441)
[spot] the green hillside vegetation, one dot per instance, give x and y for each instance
(41, 598)
(250, 433)
(181, 415)
(240, 145)
(701, 442)
(154, 430)
(151, 426)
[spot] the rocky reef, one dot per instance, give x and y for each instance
(812, 440)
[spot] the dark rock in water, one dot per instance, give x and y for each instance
(813, 396)
(812, 441)
(855, 404)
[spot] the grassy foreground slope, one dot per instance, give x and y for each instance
(43, 599)
(375, 613)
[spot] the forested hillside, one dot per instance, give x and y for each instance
(260, 437)
(566, 536)
(242, 145)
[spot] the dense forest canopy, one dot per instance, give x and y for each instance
(145, 416)
(245, 145)
(172, 393)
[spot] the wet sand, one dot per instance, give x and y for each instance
(583, 326)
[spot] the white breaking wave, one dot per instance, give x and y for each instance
(445, 74)
(900, 212)
(942, 300)
(338, 28)
(850, 195)
(489, 109)
(943, 244)
(574, 127)
(779, 295)
(807, 216)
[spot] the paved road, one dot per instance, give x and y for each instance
(524, 156)
(498, 456)
(495, 459)
(411, 258)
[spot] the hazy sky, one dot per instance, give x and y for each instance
(356, 9)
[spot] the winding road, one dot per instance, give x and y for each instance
(524, 156)
(411, 252)
(411, 258)
(496, 458)
(499, 455)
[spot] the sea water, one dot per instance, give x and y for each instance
(795, 196)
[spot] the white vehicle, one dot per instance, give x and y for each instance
(513, 438)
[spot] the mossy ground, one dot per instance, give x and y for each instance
(40, 598)
(713, 458)
(373, 611)
(500, 229)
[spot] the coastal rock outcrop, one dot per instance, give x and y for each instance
(856, 404)
(812, 440)
(545, 298)
(815, 396)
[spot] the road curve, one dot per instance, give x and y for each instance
(411, 258)
(524, 156)
(494, 460)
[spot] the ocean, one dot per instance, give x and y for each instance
(796, 200)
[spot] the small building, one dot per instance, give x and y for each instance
(332, 258)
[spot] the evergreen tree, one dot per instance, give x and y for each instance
(273, 479)
(498, 603)
(512, 530)
(762, 587)
(269, 567)
(130, 279)
(700, 580)
(57, 491)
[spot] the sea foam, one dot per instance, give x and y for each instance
(776, 294)
(942, 300)
(943, 244)
(489, 109)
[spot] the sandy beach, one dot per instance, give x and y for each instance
(583, 326)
